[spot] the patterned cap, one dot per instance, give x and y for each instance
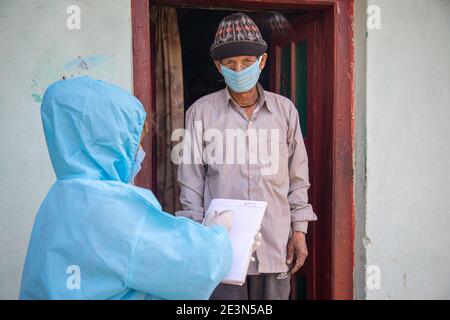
(237, 35)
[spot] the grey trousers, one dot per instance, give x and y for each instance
(256, 287)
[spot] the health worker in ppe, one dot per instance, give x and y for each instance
(96, 236)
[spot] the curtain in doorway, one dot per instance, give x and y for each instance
(169, 103)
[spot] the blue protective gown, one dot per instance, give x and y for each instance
(92, 226)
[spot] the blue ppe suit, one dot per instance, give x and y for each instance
(97, 237)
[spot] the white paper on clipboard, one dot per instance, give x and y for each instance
(247, 219)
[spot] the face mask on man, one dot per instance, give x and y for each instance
(243, 80)
(136, 165)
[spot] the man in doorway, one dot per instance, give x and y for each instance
(239, 53)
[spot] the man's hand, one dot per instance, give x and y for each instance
(256, 244)
(296, 251)
(223, 218)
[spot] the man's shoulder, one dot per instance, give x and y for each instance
(279, 102)
(207, 102)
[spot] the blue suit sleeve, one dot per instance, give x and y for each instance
(177, 258)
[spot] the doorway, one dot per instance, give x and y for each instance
(304, 66)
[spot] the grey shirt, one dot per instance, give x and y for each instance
(282, 183)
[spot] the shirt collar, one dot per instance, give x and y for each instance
(263, 102)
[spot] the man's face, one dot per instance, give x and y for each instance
(240, 62)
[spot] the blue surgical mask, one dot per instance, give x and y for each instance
(136, 165)
(244, 80)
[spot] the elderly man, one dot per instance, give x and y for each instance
(239, 54)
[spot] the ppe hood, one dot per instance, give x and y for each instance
(92, 129)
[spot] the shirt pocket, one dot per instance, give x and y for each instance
(274, 162)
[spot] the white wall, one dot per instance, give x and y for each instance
(37, 49)
(407, 109)
(360, 148)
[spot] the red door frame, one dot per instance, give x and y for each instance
(142, 82)
(338, 21)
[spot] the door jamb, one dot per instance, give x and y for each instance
(340, 14)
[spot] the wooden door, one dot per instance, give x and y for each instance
(296, 62)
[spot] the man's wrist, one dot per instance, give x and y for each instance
(300, 226)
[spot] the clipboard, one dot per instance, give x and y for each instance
(247, 219)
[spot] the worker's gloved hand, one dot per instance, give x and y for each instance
(256, 244)
(223, 218)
